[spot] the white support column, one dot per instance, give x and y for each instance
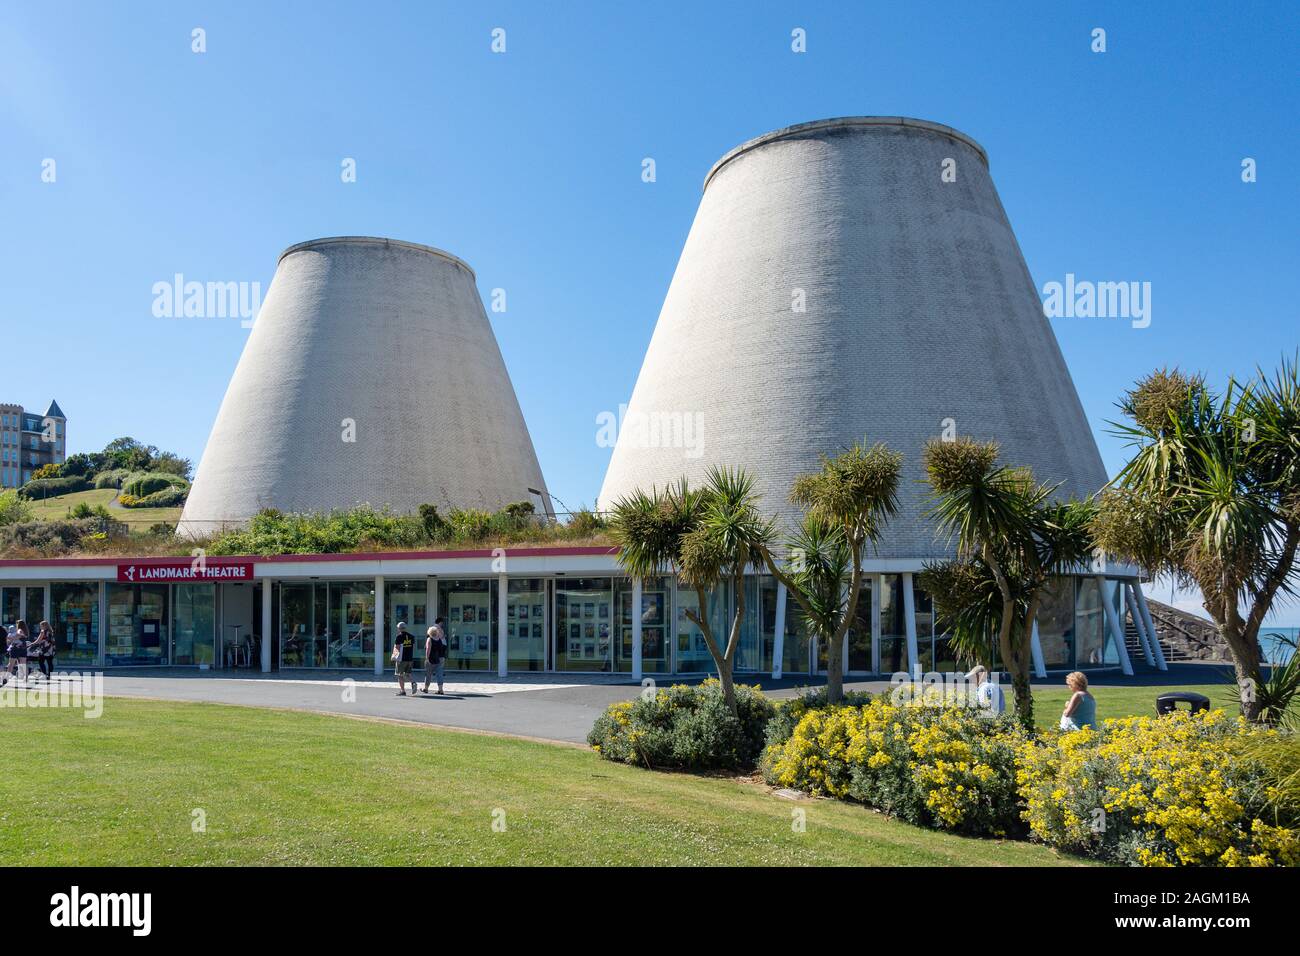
(101, 634)
(778, 643)
(909, 626)
(22, 608)
(1156, 649)
(1036, 651)
(48, 609)
(1139, 625)
(636, 629)
(431, 598)
(381, 618)
(1114, 627)
(266, 625)
(503, 630)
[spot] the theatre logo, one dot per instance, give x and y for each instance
(77, 909)
(184, 571)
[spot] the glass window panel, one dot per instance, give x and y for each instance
(406, 602)
(74, 607)
(859, 635)
(9, 605)
(1056, 623)
(526, 620)
(584, 623)
(350, 632)
(137, 624)
(298, 644)
(692, 652)
(893, 628)
(469, 606)
(926, 647)
(35, 607)
(194, 624)
(1089, 623)
(656, 618)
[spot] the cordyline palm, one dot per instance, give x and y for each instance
(708, 537)
(1212, 498)
(846, 504)
(1011, 537)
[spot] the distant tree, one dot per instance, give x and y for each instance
(172, 464)
(52, 470)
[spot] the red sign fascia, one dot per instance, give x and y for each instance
(184, 571)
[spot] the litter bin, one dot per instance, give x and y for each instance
(1168, 703)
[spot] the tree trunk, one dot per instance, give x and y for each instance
(835, 670)
(1014, 661)
(1245, 662)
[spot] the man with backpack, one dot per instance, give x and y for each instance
(435, 656)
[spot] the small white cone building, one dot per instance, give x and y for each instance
(835, 286)
(371, 376)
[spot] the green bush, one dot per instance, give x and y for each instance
(41, 488)
(686, 728)
(53, 538)
(112, 478)
(165, 498)
(14, 509)
(946, 767)
(789, 712)
(142, 486)
(277, 532)
(1182, 789)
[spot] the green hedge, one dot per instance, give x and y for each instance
(685, 728)
(141, 486)
(42, 488)
(113, 478)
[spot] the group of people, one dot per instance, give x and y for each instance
(21, 648)
(1080, 709)
(435, 657)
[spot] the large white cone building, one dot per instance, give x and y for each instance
(371, 376)
(918, 312)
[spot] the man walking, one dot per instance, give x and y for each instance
(403, 658)
(435, 656)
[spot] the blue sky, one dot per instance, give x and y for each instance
(1122, 165)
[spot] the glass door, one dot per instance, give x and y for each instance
(526, 622)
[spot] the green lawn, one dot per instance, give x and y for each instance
(139, 519)
(1121, 701)
(293, 788)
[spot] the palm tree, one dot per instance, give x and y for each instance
(708, 537)
(846, 504)
(1012, 536)
(1212, 498)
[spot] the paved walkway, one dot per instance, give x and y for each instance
(557, 707)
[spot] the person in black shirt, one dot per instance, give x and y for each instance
(403, 658)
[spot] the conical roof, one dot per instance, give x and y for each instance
(54, 411)
(835, 286)
(372, 376)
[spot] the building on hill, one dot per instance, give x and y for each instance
(29, 440)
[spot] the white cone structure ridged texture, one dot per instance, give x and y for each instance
(382, 341)
(919, 309)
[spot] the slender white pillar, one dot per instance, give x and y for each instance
(102, 631)
(266, 626)
(909, 626)
(1036, 651)
(381, 616)
(636, 629)
(1139, 625)
(503, 629)
(1114, 627)
(778, 642)
(1156, 649)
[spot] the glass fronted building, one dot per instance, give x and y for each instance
(529, 610)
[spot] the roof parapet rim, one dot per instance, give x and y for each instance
(376, 240)
(800, 129)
